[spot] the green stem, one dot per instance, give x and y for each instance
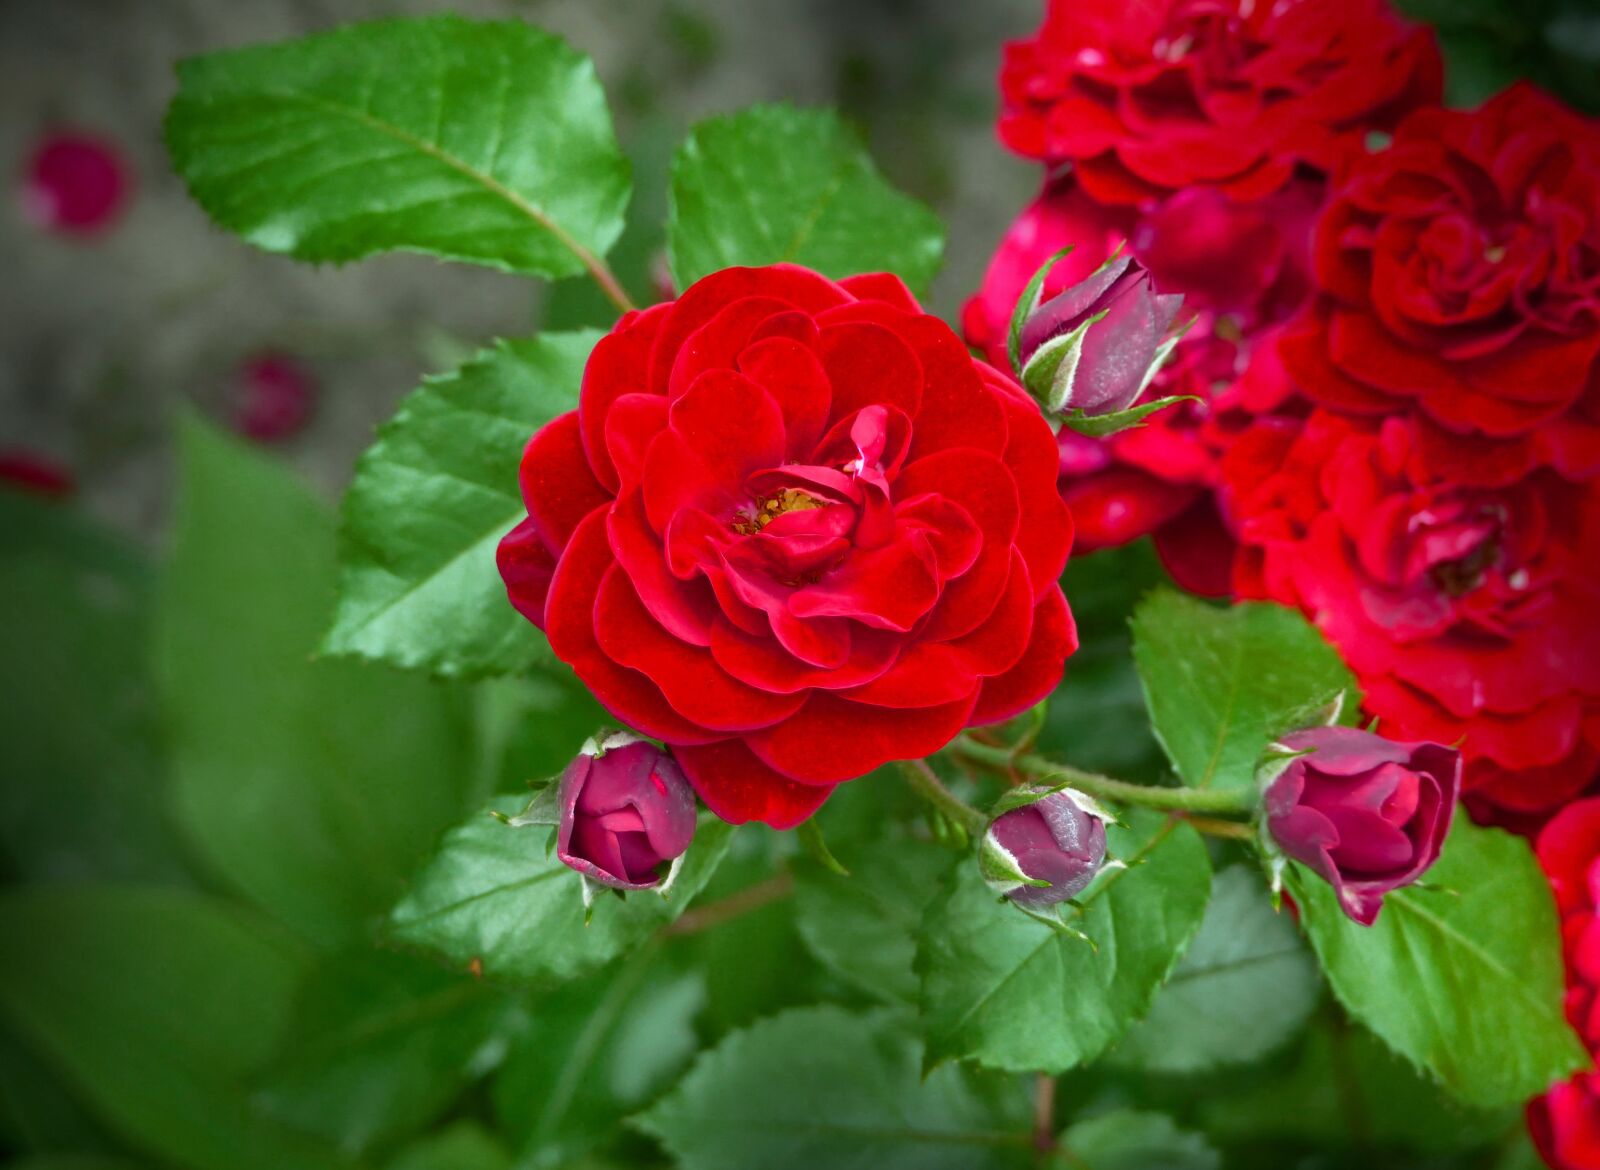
(1227, 802)
(926, 784)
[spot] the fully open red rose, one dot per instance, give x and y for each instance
(1153, 97)
(1466, 612)
(1566, 1121)
(794, 530)
(1460, 276)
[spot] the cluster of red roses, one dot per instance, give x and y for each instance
(1397, 357)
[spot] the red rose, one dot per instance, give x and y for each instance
(1460, 276)
(795, 531)
(1242, 266)
(1566, 1121)
(1144, 99)
(1465, 611)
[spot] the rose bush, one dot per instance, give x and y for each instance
(1465, 611)
(1459, 276)
(1565, 1122)
(794, 530)
(1151, 98)
(1367, 814)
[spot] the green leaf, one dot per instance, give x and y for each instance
(379, 1046)
(1011, 992)
(863, 927)
(72, 1162)
(496, 896)
(788, 1094)
(1131, 1139)
(1463, 979)
(430, 501)
(594, 1051)
(312, 787)
(464, 1146)
(488, 142)
(1342, 1085)
(1099, 425)
(39, 1112)
(1221, 684)
(774, 184)
(1245, 986)
(83, 797)
(159, 1004)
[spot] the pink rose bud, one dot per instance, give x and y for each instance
(274, 397)
(75, 184)
(1367, 814)
(1095, 346)
(1046, 851)
(626, 811)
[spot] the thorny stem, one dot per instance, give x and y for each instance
(926, 784)
(778, 886)
(1225, 802)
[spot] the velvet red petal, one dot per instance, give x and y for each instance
(738, 787)
(616, 367)
(1055, 637)
(558, 488)
(526, 566)
(831, 739)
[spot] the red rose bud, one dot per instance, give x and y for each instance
(274, 396)
(1045, 851)
(75, 184)
(626, 811)
(1095, 346)
(1367, 814)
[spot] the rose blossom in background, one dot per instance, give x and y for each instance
(626, 813)
(1466, 612)
(1458, 275)
(1059, 838)
(274, 396)
(75, 183)
(1369, 815)
(1151, 98)
(34, 472)
(1565, 1122)
(795, 531)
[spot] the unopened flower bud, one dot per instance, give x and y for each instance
(1367, 814)
(1045, 851)
(1095, 346)
(626, 812)
(75, 184)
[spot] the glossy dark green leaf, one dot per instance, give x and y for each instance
(1463, 978)
(488, 142)
(1011, 992)
(378, 1047)
(495, 897)
(1221, 683)
(775, 184)
(84, 795)
(593, 1052)
(159, 1004)
(820, 1086)
(431, 499)
(863, 926)
(1245, 986)
(314, 787)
